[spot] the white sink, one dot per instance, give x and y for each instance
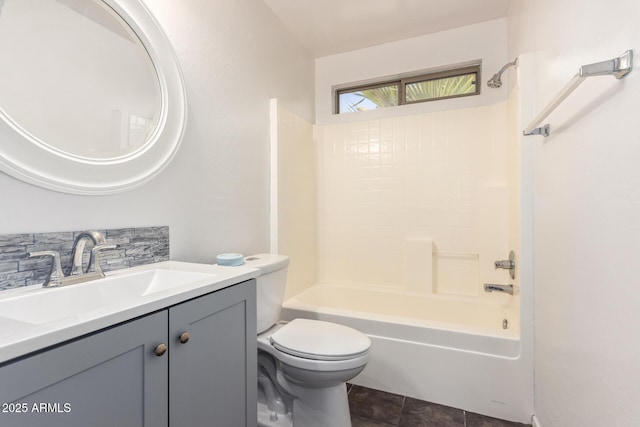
(33, 317)
(47, 305)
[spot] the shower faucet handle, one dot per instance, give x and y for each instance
(508, 264)
(505, 264)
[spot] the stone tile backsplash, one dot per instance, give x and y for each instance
(136, 246)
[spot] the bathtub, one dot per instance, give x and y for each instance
(448, 350)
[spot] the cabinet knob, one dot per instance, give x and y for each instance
(184, 337)
(161, 349)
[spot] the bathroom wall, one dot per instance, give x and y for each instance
(293, 196)
(214, 195)
(586, 211)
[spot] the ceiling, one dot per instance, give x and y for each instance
(326, 27)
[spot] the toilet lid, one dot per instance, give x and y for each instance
(318, 340)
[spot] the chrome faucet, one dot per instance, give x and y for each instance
(508, 289)
(77, 274)
(77, 252)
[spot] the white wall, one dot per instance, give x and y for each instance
(586, 212)
(485, 41)
(235, 56)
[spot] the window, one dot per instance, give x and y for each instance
(422, 88)
(365, 98)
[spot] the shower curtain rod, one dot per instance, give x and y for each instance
(618, 67)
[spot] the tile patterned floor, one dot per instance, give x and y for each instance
(374, 408)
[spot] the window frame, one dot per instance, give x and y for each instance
(402, 82)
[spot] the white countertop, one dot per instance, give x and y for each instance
(19, 338)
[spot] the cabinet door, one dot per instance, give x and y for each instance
(212, 376)
(111, 378)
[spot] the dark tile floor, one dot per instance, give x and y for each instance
(374, 408)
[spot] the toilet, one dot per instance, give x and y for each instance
(303, 365)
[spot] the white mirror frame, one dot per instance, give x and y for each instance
(25, 157)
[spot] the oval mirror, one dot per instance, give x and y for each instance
(91, 95)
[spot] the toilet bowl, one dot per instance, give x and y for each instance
(313, 360)
(303, 365)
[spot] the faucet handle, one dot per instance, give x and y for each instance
(95, 257)
(55, 275)
(505, 264)
(508, 264)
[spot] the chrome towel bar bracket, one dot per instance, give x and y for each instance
(617, 67)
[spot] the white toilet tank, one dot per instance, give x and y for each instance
(270, 286)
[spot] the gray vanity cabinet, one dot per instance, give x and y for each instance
(111, 378)
(207, 377)
(213, 375)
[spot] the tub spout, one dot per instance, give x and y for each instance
(508, 289)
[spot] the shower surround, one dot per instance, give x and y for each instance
(412, 213)
(415, 203)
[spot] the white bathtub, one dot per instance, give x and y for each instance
(448, 350)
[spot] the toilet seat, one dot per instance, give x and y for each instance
(318, 340)
(323, 355)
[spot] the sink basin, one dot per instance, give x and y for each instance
(33, 318)
(46, 305)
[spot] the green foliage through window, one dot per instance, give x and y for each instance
(369, 98)
(446, 87)
(422, 88)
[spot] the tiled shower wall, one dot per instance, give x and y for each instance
(415, 202)
(136, 246)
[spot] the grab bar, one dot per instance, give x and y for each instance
(618, 67)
